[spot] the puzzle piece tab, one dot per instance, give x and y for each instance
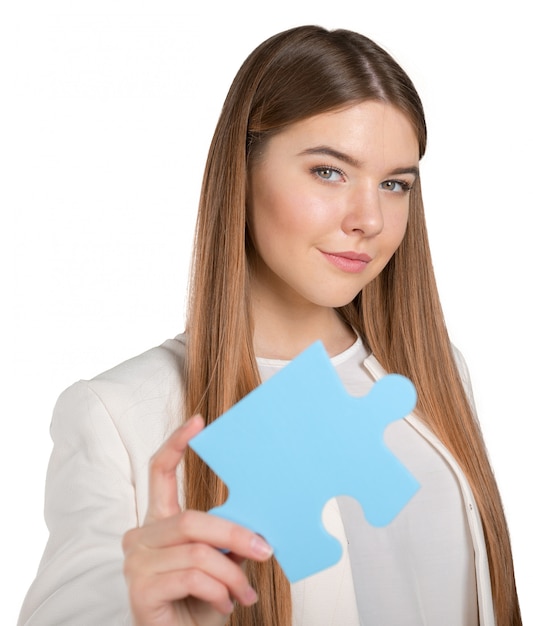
(298, 440)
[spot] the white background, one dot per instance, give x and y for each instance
(107, 109)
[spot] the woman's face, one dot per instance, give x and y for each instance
(328, 204)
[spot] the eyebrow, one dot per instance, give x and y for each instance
(341, 156)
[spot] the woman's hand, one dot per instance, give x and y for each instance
(174, 567)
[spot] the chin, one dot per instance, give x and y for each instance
(337, 301)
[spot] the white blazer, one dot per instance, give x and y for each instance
(105, 431)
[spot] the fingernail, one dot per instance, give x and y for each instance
(229, 606)
(250, 596)
(192, 420)
(261, 547)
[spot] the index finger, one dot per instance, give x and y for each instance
(163, 487)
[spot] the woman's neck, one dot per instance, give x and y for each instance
(284, 334)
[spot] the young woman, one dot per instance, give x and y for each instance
(310, 226)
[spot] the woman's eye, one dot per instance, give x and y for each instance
(328, 173)
(398, 186)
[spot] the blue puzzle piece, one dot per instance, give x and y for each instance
(298, 440)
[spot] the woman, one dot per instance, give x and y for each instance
(310, 227)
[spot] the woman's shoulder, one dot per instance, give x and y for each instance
(140, 394)
(164, 360)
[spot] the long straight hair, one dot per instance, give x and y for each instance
(298, 73)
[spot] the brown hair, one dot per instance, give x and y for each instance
(291, 76)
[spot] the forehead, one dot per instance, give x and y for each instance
(368, 131)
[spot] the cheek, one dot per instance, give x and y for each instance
(284, 212)
(396, 227)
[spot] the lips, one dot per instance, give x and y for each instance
(352, 262)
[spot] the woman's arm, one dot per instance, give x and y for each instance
(89, 505)
(91, 512)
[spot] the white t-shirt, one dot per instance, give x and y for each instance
(417, 571)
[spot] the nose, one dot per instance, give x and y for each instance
(363, 213)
